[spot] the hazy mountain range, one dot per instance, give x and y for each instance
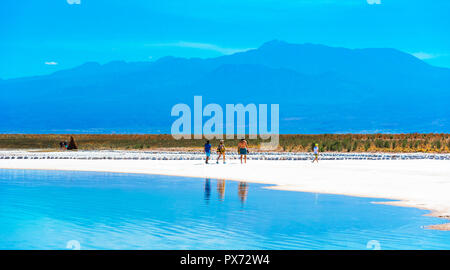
(320, 89)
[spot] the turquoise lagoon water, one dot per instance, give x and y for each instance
(90, 210)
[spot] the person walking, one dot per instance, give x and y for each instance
(221, 151)
(207, 151)
(243, 150)
(316, 153)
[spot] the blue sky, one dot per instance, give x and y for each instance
(42, 36)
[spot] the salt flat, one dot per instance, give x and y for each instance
(415, 183)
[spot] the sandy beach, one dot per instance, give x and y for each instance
(422, 183)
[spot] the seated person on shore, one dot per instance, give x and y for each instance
(207, 151)
(243, 149)
(221, 151)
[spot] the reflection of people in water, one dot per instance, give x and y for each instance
(221, 189)
(207, 189)
(242, 191)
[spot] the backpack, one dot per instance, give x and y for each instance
(221, 148)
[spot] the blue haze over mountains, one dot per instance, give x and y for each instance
(320, 89)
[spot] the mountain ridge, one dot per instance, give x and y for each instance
(330, 88)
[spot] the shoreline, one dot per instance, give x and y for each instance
(422, 184)
(170, 154)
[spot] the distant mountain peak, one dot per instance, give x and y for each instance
(280, 46)
(274, 43)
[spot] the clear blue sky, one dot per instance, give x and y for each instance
(42, 36)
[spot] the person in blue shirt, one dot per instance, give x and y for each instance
(207, 151)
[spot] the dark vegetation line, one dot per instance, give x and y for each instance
(414, 142)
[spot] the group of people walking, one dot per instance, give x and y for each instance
(242, 149)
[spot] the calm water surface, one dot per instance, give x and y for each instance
(47, 209)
